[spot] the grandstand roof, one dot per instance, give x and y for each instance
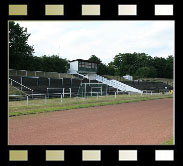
(82, 60)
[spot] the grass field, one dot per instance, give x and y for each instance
(14, 91)
(169, 142)
(17, 108)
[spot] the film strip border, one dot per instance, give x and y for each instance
(87, 9)
(90, 155)
(91, 10)
(17, 156)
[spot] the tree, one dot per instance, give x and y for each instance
(152, 72)
(19, 49)
(143, 72)
(111, 69)
(160, 64)
(94, 59)
(169, 67)
(54, 64)
(102, 69)
(128, 63)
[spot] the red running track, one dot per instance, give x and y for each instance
(139, 123)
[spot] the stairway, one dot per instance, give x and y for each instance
(116, 84)
(113, 83)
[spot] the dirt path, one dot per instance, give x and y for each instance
(145, 122)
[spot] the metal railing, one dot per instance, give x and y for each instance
(22, 86)
(63, 91)
(117, 84)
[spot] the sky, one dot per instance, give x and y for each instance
(105, 39)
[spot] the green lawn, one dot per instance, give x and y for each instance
(17, 108)
(169, 142)
(14, 91)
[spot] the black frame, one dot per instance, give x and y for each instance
(72, 11)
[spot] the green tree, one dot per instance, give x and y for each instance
(54, 64)
(169, 67)
(160, 64)
(111, 69)
(152, 72)
(128, 63)
(19, 49)
(102, 69)
(95, 59)
(143, 72)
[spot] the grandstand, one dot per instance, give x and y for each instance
(149, 86)
(80, 81)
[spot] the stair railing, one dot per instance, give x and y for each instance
(20, 85)
(116, 84)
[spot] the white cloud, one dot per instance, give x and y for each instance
(105, 39)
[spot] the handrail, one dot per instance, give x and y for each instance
(117, 84)
(21, 85)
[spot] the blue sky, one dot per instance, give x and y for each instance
(105, 39)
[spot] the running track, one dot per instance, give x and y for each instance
(146, 122)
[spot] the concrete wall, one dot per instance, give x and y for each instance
(91, 76)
